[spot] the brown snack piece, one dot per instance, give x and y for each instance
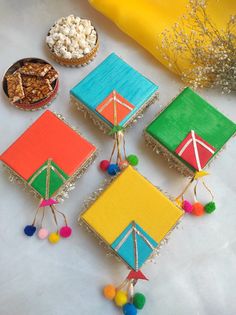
(28, 80)
(15, 87)
(24, 100)
(37, 90)
(36, 69)
(52, 75)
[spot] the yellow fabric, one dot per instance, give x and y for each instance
(130, 197)
(144, 20)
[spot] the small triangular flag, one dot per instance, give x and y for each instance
(136, 275)
(48, 202)
(200, 174)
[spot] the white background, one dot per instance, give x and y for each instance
(195, 272)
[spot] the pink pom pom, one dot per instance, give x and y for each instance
(65, 231)
(187, 206)
(104, 164)
(42, 234)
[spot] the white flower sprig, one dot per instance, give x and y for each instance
(210, 52)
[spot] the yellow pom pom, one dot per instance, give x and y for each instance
(54, 238)
(109, 292)
(121, 298)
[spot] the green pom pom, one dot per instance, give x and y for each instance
(139, 301)
(132, 159)
(210, 207)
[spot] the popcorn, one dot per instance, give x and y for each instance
(72, 32)
(78, 20)
(55, 36)
(67, 41)
(67, 55)
(87, 50)
(66, 30)
(50, 41)
(71, 37)
(87, 30)
(76, 54)
(81, 37)
(82, 43)
(86, 23)
(71, 48)
(61, 37)
(92, 37)
(62, 50)
(81, 28)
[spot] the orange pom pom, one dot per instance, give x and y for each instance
(109, 291)
(198, 209)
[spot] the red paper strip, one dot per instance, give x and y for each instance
(195, 151)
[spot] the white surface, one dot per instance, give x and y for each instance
(196, 271)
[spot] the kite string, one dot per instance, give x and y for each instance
(119, 142)
(123, 284)
(54, 217)
(61, 213)
(181, 195)
(113, 149)
(37, 210)
(119, 138)
(42, 218)
(208, 189)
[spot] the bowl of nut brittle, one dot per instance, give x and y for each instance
(31, 84)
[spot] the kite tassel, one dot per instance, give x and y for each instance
(65, 231)
(118, 159)
(124, 295)
(196, 208)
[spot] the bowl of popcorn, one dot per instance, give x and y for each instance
(72, 41)
(31, 84)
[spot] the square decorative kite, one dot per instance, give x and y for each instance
(114, 95)
(189, 133)
(132, 217)
(49, 157)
